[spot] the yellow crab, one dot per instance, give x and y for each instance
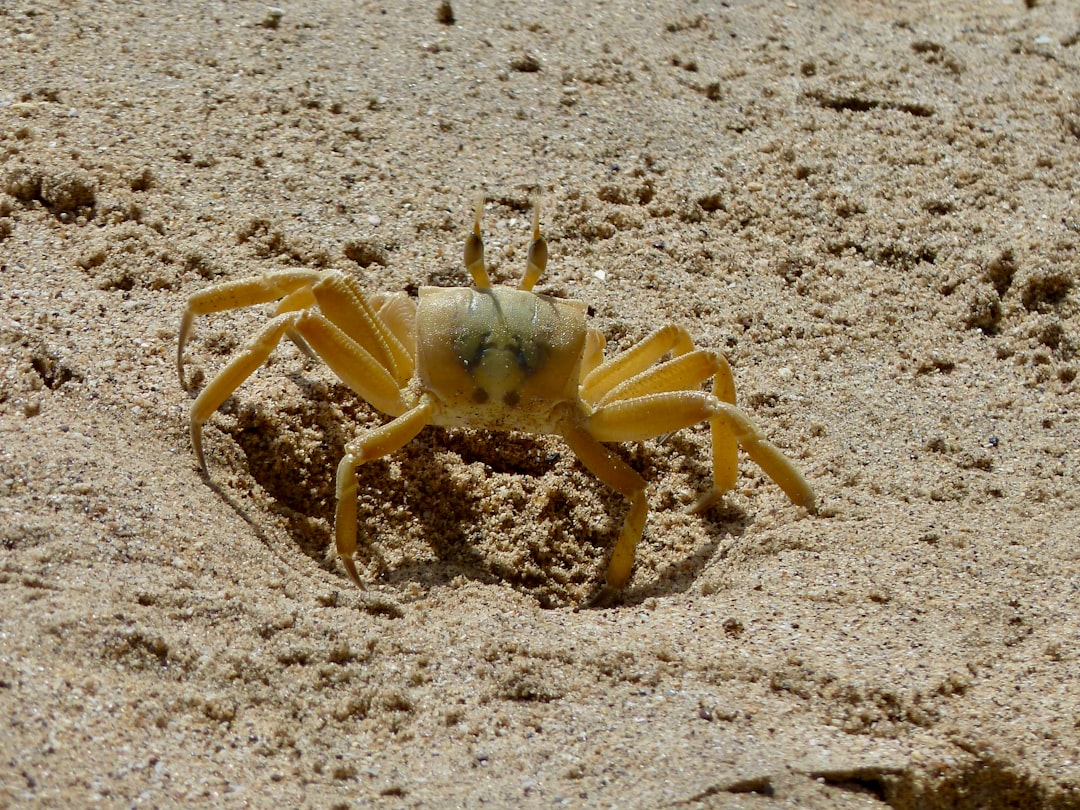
(495, 358)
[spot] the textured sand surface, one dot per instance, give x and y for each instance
(870, 208)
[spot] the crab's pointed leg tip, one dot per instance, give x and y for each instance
(605, 596)
(350, 569)
(703, 504)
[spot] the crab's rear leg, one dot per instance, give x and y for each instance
(657, 414)
(236, 294)
(613, 371)
(372, 445)
(351, 362)
(686, 373)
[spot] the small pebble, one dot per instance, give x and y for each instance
(273, 17)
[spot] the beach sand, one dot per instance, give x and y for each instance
(870, 209)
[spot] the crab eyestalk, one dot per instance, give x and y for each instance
(474, 249)
(538, 252)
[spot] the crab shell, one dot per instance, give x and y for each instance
(498, 357)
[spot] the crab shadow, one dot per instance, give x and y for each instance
(413, 495)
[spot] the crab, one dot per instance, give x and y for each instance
(494, 358)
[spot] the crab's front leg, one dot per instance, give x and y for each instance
(372, 445)
(621, 477)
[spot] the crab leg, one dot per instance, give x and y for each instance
(372, 445)
(634, 360)
(344, 304)
(236, 294)
(295, 301)
(621, 477)
(725, 445)
(656, 414)
(683, 373)
(230, 378)
(350, 361)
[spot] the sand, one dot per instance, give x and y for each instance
(869, 209)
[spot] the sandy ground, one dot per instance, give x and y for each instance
(871, 210)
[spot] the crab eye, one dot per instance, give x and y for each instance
(470, 343)
(528, 353)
